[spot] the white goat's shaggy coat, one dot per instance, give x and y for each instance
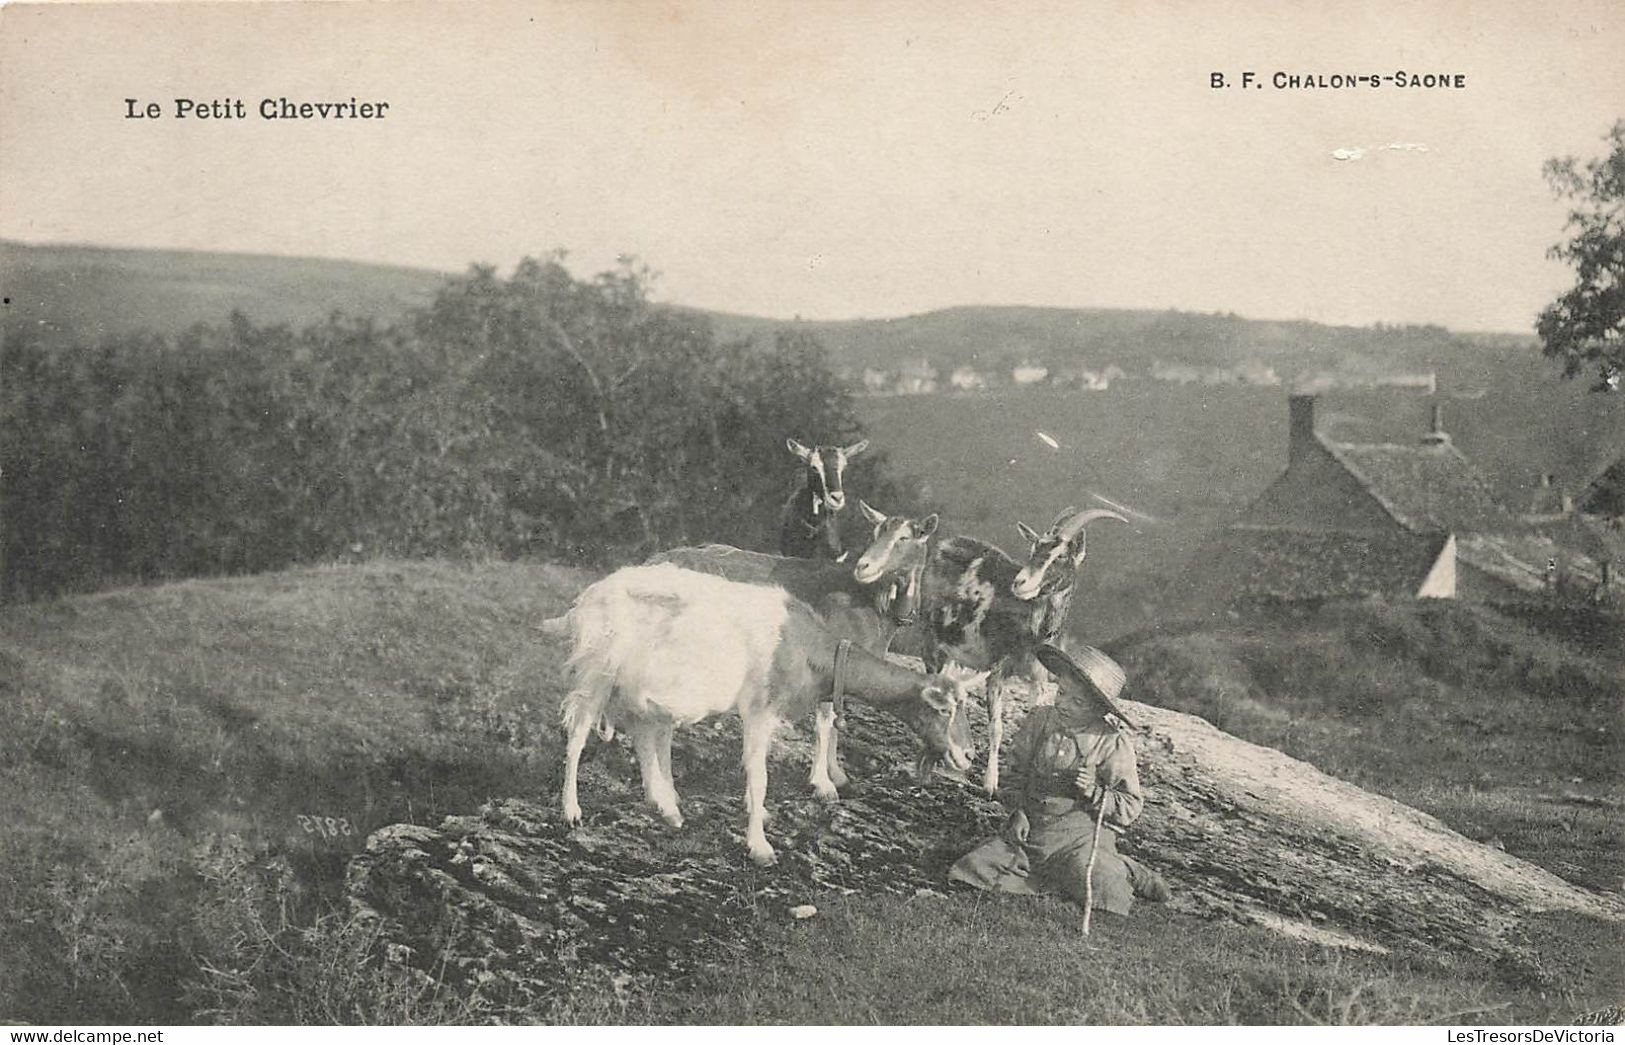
(685, 645)
(659, 646)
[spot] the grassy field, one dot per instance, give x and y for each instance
(142, 729)
(1480, 719)
(170, 758)
(1021, 961)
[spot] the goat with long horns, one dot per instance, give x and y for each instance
(979, 606)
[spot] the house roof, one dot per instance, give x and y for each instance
(1266, 562)
(1605, 495)
(1595, 537)
(1427, 489)
(1520, 559)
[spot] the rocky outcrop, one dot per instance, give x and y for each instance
(505, 901)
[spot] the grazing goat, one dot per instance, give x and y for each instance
(868, 614)
(810, 527)
(981, 607)
(655, 647)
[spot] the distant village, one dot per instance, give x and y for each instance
(923, 377)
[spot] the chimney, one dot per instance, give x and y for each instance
(1437, 436)
(1301, 434)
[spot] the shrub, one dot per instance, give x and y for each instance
(264, 958)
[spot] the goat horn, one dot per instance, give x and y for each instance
(1068, 510)
(1075, 525)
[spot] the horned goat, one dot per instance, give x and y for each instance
(981, 607)
(810, 524)
(867, 614)
(656, 647)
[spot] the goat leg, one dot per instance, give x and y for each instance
(994, 688)
(569, 804)
(836, 775)
(758, 734)
(666, 796)
(648, 739)
(822, 781)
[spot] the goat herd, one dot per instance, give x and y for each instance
(695, 632)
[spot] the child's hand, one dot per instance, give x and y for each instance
(1086, 784)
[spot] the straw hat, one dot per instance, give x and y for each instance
(1090, 674)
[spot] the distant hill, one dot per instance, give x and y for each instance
(112, 291)
(106, 290)
(998, 337)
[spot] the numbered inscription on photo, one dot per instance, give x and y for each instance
(327, 826)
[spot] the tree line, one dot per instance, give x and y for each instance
(537, 414)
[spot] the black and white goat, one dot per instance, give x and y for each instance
(810, 525)
(867, 614)
(981, 607)
(656, 647)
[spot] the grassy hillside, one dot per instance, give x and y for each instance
(1506, 728)
(103, 290)
(142, 730)
(184, 770)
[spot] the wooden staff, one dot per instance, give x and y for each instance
(1089, 871)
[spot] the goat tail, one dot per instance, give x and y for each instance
(590, 667)
(587, 704)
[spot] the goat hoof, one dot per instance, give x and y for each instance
(764, 857)
(673, 819)
(572, 818)
(838, 778)
(827, 792)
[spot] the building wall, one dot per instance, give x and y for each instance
(1440, 582)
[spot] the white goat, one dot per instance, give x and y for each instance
(868, 614)
(655, 647)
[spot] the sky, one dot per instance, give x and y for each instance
(836, 160)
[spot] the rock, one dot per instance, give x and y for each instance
(501, 903)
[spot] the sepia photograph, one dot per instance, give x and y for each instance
(863, 512)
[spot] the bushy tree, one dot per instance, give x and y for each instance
(625, 426)
(1585, 327)
(537, 414)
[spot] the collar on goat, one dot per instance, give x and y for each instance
(843, 650)
(901, 601)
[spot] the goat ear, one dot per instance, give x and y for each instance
(797, 449)
(875, 518)
(927, 526)
(1028, 534)
(856, 448)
